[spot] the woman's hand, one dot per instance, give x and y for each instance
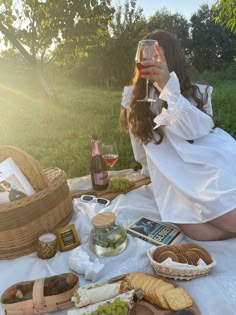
(156, 70)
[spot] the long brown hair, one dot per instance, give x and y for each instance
(141, 117)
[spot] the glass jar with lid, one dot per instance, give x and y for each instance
(107, 238)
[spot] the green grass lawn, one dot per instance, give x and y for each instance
(58, 134)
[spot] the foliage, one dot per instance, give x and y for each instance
(32, 23)
(42, 25)
(84, 27)
(111, 64)
(212, 45)
(173, 23)
(226, 14)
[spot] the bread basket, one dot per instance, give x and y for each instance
(49, 208)
(178, 271)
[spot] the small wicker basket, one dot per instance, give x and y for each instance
(50, 208)
(184, 272)
(40, 296)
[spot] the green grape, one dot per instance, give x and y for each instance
(117, 307)
(119, 184)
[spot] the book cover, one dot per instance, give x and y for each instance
(13, 184)
(155, 232)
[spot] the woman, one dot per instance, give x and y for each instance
(191, 162)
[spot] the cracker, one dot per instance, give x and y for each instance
(178, 299)
(175, 248)
(167, 254)
(159, 292)
(193, 256)
(189, 258)
(182, 259)
(160, 250)
(203, 254)
(148, 292)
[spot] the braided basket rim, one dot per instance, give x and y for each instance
(178, 272)
(53, 174)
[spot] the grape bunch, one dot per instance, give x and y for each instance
(117, 307)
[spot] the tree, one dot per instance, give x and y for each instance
(226, 14)
(41, 25)
(113, 61)
(128, 27)
(84, 25)
(38, 26)
(212, 45)
(173, 23)
(33, 25)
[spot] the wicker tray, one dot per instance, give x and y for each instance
(178, 273)
(21, 221)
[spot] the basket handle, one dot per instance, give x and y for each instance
(28, 165)
(38, 295)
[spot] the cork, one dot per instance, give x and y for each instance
(103, 220)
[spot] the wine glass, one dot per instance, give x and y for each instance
(145, 51)
(110, 154)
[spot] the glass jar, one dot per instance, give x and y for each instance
(107, 238)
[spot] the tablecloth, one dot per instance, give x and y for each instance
(215, 293)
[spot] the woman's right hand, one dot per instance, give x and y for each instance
(156, 70)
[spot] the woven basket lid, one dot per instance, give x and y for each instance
(28, 165)
(103, 220)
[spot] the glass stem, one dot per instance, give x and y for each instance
(147, 82)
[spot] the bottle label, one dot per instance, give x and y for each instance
(100, 178)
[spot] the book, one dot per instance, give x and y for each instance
(13, 184)
(155, 232)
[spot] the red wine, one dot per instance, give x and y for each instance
(140, 67)
(98, 169)
(110, 159)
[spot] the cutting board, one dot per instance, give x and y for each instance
(141, 180)
(145, 308)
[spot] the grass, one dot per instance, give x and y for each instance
(58, 134)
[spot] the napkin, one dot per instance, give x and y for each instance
(79, 261)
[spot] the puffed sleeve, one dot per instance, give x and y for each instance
(182, 118)
(207, 92)
(126, 96)
(138, 149)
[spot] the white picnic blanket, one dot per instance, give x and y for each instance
(215, 293)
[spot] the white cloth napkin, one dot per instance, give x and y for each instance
(79, 261)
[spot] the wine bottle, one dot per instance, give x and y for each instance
(98, 167)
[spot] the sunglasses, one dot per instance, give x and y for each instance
(92, 198)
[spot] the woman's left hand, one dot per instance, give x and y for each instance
(156, 70)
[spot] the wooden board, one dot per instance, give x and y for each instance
(103, 193)
(143, 307)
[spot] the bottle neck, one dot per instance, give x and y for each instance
(95, 147)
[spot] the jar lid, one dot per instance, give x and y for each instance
(103, 220)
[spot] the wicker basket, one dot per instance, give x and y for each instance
(183, 272)
(42, 295)
(21, 221)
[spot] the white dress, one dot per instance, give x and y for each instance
(192, 183)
